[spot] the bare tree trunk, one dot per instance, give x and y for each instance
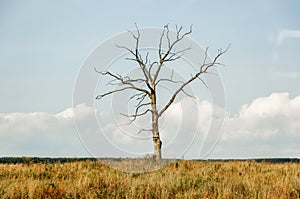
(155, 131)
(157, 143)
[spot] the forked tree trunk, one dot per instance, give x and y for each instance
(155, 131)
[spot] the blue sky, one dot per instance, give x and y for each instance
(44, 43)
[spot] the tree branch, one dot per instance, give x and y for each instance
(122, 81)
(134, 116)
(138, 57)
(203, 69)
(173, 55)
(111, 92)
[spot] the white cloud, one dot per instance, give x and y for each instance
(265, 117)
(24, 123)
(267, 127)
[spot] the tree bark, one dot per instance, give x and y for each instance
(155, 131)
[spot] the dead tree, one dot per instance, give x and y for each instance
(145, 87)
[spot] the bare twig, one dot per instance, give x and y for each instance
(144, 130)
(134, 116)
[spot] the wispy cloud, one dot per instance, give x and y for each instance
(284, 75)
(283, 34)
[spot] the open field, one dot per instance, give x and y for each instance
(182, 179)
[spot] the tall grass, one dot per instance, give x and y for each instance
(181, 179)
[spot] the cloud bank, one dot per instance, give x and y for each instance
(266, 127)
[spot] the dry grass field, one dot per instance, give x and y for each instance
(181, 179)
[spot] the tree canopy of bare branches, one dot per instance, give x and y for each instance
(145, 86)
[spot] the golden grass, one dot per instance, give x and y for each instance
(182, 179)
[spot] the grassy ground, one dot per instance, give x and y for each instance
(182, 179)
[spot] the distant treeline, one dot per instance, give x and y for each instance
(269, 160)
(47, 160)
(43, 160)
